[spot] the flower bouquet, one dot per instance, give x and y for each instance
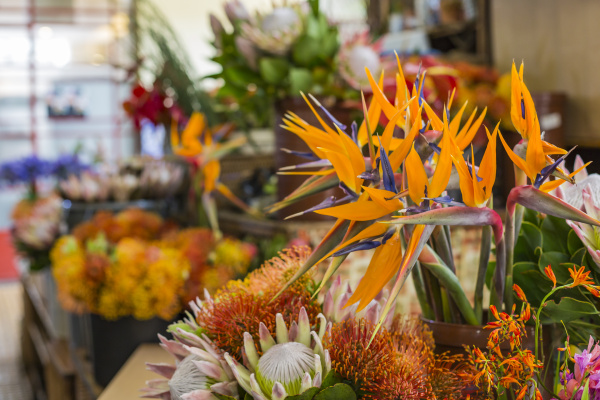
(37, 216)
(395, 201)
(135, 263)
(245, 344)
(131, 272)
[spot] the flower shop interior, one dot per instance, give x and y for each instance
(299, 199)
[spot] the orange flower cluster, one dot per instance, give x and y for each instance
(393, 364)
(241, 305)
(135, 263)
(502, 367)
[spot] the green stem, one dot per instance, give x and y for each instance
(452, 285)
(434, 293)
(446, 306)
(484, 259)
(419, 284)
(509, 239)
(538, 323)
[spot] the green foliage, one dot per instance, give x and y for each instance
(250, 88)
(545, 240)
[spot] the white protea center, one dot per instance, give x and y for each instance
(280, 20)
(288, 366)
(285, 363)
(187, 378)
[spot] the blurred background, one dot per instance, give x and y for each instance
(104, 80)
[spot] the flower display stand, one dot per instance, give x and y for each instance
(46, 355)
(114, 341)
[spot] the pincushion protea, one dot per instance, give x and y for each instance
(200, 371)
(289, 365)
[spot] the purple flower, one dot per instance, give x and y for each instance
(25, 170)
(66, 165)
(563, 379)
(582, 361)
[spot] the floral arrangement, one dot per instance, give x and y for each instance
(275, 55)
(36, 217)
(203, 147)
(135, 178)
(241, 345)
(396, 203)
(135, 263)
(386, 207)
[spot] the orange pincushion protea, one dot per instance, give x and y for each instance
(242, 305)
(366, 367)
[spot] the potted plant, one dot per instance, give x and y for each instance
(395, 200)
(272, 59)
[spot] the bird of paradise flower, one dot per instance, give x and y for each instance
(203, 147)
(391, 190)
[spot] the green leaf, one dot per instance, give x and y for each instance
(248, 396)
(306, 51)
(331, 379)
(339, 391)
(489, 273)
(240, 77)
(567, 309)
(329, 45)
(530, 238)
(308, 394)
(555, 259)
(556, 232)
(223, 397)
(532, 217)
(316, 26)
(578, 258)
(573, 242)
(300, 80)
(273, 70)
(535, 285)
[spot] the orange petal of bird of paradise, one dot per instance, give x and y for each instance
(357, 211)
(373, 116)
(373, 230)
(416, 176)
(399, 154)
(381, 196)
(383, 266)
(477, 192)
(551, 185)
(193, 130)
(419, 237)
(211, 172)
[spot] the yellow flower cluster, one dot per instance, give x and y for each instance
(134, 263)
(139, 278)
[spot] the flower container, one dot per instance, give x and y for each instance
(112, 342)
(284, 139)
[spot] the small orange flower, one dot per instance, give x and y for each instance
(494, 312)
(519, 292)
(550, 274)
(526, 314)
(593, 290)
(580, 277)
